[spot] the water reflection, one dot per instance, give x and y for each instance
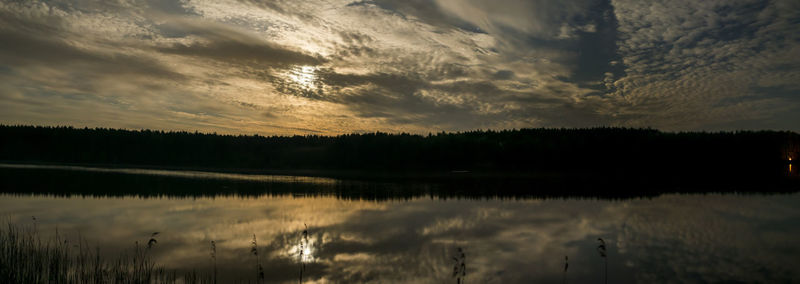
(177, 174)
(671, 238)
(87, 181)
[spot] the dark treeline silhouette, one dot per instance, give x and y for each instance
(552, 162)
(524, 150)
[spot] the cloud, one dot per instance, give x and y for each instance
(429, 12)
(227, 44)
(688, 64)
(285, 67)
(42, 42)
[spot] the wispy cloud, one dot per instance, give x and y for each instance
(293, 67)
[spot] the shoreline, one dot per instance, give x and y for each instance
(466, 183)
(367, 175)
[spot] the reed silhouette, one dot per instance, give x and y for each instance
(460, 266)
(601, 249)
(152, 240)
(302, 248)
(566, 266)
(25, 257)
(259, 268)
(214, 259)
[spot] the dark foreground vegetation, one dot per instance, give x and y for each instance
(26, 257)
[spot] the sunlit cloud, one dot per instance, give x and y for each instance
(328, 67)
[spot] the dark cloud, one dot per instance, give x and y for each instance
(355, 37)
(284, 7)
(402, 99)
(174, 7)
(19, 50)
(223, 43)
(253, 55)
(426, 11)
(503, 75)
(44, 43)
(597, 48)
(390, 96)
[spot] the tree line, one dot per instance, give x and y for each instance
(602, 150)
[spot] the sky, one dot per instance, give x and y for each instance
(331, 67)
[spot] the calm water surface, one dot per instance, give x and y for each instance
(670, 238)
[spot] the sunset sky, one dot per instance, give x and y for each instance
(331, 67)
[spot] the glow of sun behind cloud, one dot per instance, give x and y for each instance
(341, 66)
(303, 76)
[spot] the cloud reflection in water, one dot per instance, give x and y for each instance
(669, 238)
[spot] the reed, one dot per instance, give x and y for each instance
(214, 259)
(601, 249)
(566, 266)
(25, 257)
(460, 266)
(303, 244)
(259, 268)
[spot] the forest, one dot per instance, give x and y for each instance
(604, 151)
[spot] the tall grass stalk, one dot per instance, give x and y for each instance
(27, 257)
(601, 248)
(566, 266)
(303, 244)
(460, 266)
(214, 259)
(259, 269)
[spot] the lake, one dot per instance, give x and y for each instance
(420, 238)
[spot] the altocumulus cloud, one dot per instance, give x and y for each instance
(296, 67)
